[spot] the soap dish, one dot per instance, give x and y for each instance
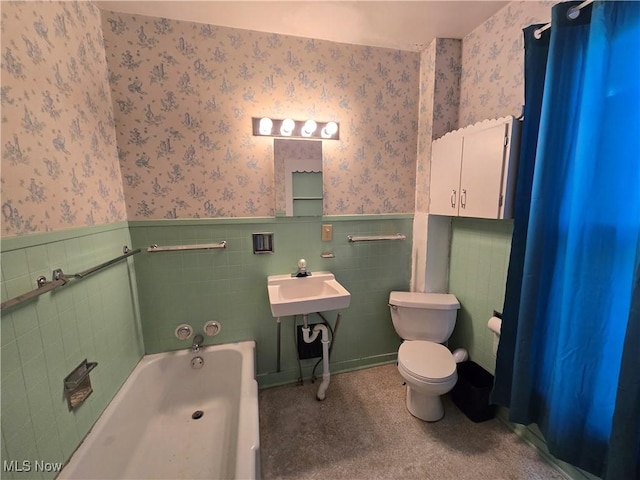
(77, 385)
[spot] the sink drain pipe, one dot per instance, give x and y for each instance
(309, 338)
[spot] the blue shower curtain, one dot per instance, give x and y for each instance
(569, 358)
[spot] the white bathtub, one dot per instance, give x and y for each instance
(147, 431)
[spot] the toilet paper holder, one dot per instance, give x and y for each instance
(495, 323)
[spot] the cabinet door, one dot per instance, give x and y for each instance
(482, 171)
(446, 155)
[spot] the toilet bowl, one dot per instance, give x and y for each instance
(425, 321)
(429, 370)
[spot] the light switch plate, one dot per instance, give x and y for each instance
(327, 233)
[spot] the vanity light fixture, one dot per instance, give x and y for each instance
(288, 127)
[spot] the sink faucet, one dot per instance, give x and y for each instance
(197, 342)
(302, 269)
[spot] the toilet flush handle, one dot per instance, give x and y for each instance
(395, 307)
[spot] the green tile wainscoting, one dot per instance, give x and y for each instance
(229, 285)
(116, 315)
(132, 307)
(478, 274)
(45, 338)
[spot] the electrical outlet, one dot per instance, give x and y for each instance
(327, 233)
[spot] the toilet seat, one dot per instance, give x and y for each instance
(427, 362)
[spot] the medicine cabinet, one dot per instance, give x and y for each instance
(298, 174)
(473, 170)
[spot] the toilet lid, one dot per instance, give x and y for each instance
(429, 361)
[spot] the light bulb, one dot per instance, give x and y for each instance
(329, 130)
(309, 127)
(266, 124)
(287, 127)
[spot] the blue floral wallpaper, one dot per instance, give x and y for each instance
(59, 160)
(184, 94)
(165, 130)
(492, 80)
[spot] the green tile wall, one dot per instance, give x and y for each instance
(44, 339)
(105, 316)
(229, 285)
(479, 261)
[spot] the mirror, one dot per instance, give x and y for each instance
(298, 177)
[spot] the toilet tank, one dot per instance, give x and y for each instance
(423, 316)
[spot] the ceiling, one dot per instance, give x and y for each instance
(403, 25)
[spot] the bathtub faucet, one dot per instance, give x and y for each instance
(197, 342)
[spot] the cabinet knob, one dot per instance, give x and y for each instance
(453, 199)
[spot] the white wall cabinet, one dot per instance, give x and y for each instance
(473, 170)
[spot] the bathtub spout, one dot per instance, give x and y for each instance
(197, 343)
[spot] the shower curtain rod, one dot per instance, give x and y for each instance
(537, 33)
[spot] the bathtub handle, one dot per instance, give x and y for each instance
(183, 332)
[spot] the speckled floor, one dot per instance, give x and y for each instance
(362, 430)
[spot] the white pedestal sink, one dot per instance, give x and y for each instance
(320, 292)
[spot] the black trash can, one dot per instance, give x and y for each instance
(471, 392)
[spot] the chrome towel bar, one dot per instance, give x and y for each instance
(397, 236)
(59, 278)
(208, 246)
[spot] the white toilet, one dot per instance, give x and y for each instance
(425, 321)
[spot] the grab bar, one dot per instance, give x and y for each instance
(59, 278)
(207, 246)
(43, 287)
(397, 236)
(59, 274)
